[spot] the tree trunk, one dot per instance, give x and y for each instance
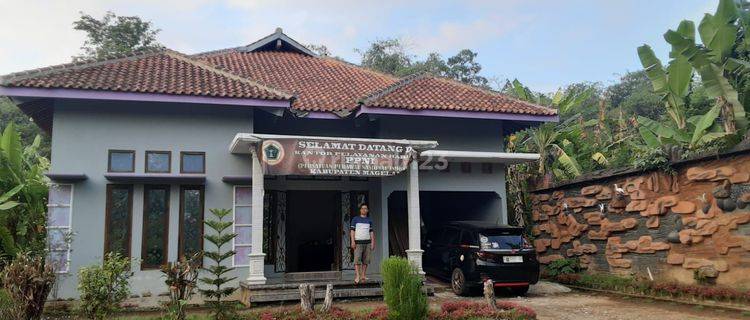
(328, 301)
(727, 114)
(307, 297)
(489, 294)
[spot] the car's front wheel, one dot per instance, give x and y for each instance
(458, 282)
(519, 291)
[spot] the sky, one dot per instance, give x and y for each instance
(545, 44)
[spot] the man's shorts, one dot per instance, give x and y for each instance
(362, 253)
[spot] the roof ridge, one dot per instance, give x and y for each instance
(387, 90)
(217, 51)
(495, 93)
(213, 68)
(76, 65)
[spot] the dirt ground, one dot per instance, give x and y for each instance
(553, 301)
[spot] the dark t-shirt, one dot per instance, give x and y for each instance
(362, 227)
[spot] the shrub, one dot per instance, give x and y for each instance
(605, 281)
(474, 310)
(297, 314)
(26, 283)
(217, 279)
(563, 266)
(103, 288)
(402, 290)
(181, 278)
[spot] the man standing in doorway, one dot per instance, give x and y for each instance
(362, 238)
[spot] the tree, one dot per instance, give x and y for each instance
(462, 67)
(390, 56)
(27, 129)
(319, 49)
(387, 56)
(218, 270)
(114, 35)
(23, 203)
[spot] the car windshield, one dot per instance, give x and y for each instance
(500, 240)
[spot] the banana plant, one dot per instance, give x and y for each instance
(24, 195)
(562, 101)
(699, 131)
(714, 61)
(671, 84)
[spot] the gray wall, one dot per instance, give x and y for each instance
(84, 131)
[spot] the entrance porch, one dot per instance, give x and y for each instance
(302, 233)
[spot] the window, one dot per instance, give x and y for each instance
(192, 162)
(121, 161)
(59, 224)
(118, 219)
(191, 220)
(465, 167)
(487, 168)
(155, 226)
(158, 161)
(242, 224)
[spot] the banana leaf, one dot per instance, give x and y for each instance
(705, 122)
(718, 86)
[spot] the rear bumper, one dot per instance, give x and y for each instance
(506, 275)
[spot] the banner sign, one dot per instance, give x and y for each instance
(323, 157)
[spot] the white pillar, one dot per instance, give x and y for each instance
(414, 253)
(257, 257)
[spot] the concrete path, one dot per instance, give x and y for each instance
(554, 301)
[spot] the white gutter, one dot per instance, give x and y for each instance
(479, 156)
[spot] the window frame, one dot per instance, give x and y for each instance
(192, 153)
(235, 224)
(181, 225)
(169, 161)
(107, 214)
(69, 227)
(165, 259)
(109, 160)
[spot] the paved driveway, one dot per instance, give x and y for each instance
(553, 301)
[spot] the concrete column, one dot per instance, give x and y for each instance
(257, 257)
(414, 253)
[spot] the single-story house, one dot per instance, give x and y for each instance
(144, 145)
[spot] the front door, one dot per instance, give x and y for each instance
(312, 224)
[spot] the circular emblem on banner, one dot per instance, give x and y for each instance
(273, 152)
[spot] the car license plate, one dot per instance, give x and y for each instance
(513, 259)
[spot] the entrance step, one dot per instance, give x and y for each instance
(289, 291)
(312, 276)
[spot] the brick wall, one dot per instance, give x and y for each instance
(665, 224)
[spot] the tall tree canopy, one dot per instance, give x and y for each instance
(114, 35)
(390, 56)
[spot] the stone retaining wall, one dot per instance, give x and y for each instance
(654, 224)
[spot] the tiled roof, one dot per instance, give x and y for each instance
(160, 71)
(319, 83)
(273, 68)
(427, 92)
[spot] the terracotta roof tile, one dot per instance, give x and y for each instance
(161, 71)
(320, 83)
(427, 92)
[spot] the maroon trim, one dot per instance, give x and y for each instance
(511, 284)
(136, 96)
(457, 114)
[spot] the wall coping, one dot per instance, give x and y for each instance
(606, 174)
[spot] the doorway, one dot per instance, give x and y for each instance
(312, 226)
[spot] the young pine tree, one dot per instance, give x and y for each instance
(217, 270)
